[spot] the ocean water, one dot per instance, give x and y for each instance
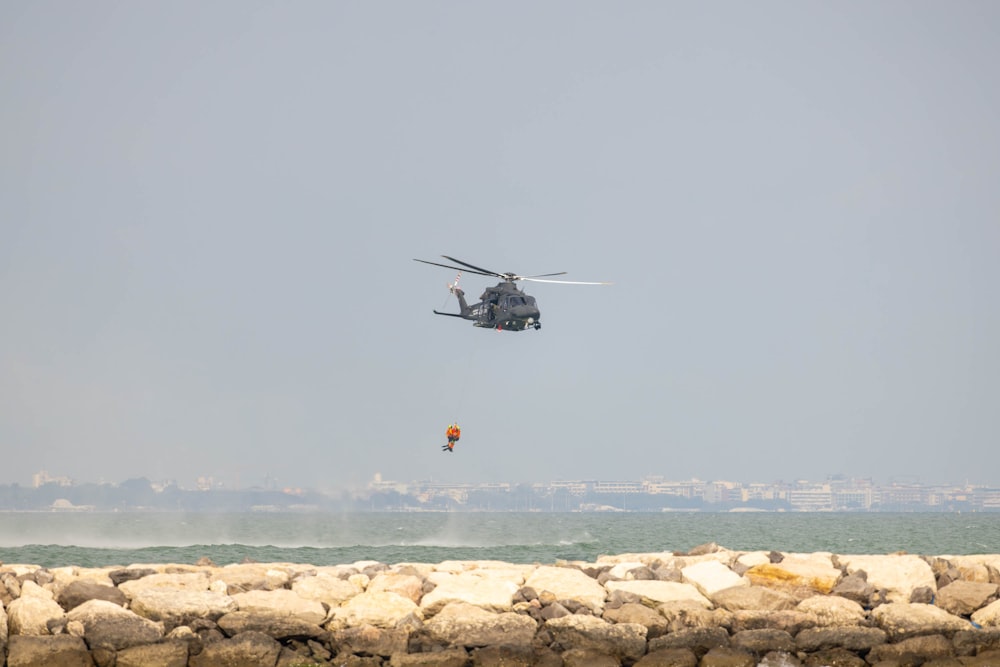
(93, 539)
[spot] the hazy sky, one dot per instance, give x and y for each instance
(209, 212)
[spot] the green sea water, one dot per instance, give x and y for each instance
(93, 539)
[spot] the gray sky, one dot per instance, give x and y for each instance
(209, 213)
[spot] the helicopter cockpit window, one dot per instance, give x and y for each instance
(515, 301)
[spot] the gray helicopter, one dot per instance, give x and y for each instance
(503, 307)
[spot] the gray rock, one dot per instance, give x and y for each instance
(119, 577)
(927, 647)
(698, 640)
(372, 640)
(107, 625)
(922, 595)
(973, 642)
(463, 624)
(961, 598)
(632, 612)
(250, 649)
(79, 591)
(163, 654)
(273, 624)
(854, 587)
(625, 641)
(764, 641)
(50, 651)
(852, 638)
(791, 622)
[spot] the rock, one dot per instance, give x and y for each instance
(669, 657)
(758, 598)
(371, 640)
(188, 581)
(922, 595)
(273, 623)
(463, 624)
(180, 607)
(503, 656)
(250, 649)
(481, 589)
(897, 575)
(32, 615)
(833, 610)
(383, 609)
(282, 601)
(51, 651)
(456, 657)
(243, 577)
(588, 657)
(698, 640)
(120, 576)
(854, 587)
(852, 638)
(796, 573)
(961, 598)
(973, 642)
(326, 588)
(927, 647)
(762, 641)
(661, 591)
(621, 570)
(632, 612)
(163, 654)
(727, 657)
(903, 620)
(107, 625)
(836, 657)
(988, 616)
(81, 590)
(686, 614)
(29, 589)
(626, 641)
(791, 622)
(571, 584)
(710, 577)
(407, 585)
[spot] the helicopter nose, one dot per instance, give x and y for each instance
(525, 313)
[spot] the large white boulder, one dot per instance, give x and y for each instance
(897, 574)
(282, 601)
(191, 581)
(832, 610)
(711, 576)
(902, 620)
(567, 583)
(479, 588)
(661, 591)
(383, 609)
(180, 606)
(810, 572)
(326, 588)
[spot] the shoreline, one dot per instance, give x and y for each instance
(707, 607)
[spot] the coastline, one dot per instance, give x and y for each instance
(707, 607)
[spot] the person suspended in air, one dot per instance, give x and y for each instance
(453, 433)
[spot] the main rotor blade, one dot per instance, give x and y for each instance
(457, 268)
(565, 282)
(485, 272)
(542, 275)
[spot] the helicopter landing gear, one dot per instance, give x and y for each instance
(538, 325)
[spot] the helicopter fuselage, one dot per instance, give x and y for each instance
(503, 307)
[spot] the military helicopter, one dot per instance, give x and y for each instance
(503, 307)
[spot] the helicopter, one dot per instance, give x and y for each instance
(503, 307)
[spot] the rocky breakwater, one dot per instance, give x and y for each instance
(711, 607)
